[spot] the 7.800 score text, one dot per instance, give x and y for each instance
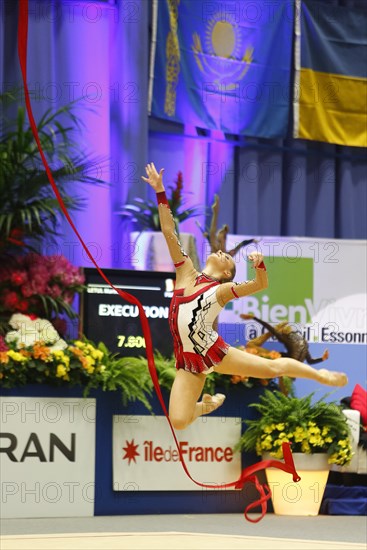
(130, 341)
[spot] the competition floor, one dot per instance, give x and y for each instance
(185, 532)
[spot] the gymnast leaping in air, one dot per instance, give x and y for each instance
(197, 300)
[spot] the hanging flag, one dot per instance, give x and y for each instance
(330, 93)
(223, 65)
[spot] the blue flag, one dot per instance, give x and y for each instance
(331, 75)
(223, 65)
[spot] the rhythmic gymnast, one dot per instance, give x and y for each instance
(197, 300)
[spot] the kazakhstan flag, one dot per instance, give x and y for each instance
(223, 65)
(331, 74)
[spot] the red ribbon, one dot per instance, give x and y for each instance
(247, 474)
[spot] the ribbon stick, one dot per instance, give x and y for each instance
(248, 474)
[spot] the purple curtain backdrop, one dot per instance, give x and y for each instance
(100, 52)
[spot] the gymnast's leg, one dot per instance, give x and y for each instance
(184, 407)
(245, 364)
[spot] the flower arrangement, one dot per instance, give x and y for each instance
(34, 353)
(145, 212)
(320, 427)
(41, 285)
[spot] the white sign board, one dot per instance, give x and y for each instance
(316, 284)
(146, 458)
(320, 287)
(47, 456)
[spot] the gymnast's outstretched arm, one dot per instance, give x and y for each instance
(179, 257)
(229, 291)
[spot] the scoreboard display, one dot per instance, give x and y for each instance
(108, 318)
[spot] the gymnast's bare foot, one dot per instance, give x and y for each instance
(212, 402)
(331, 378)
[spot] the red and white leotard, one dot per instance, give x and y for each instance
(197, 346)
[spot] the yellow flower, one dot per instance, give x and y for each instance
(342, 457)
(97, 354)
(278, 453)
(60, 371)
(16, 356)
(299, 434)
(60, 356)
(305, 447)
(316, 440)
(280, 427)
(268, 429)
(325, 431)
(88, 364)
(79, 344)
(266, 444)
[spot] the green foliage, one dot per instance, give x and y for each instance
(129, 375)
(310, 427)
(166, 370)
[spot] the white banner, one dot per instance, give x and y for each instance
(47, 456)
(318, 284)
(320, 287)
(145, 456)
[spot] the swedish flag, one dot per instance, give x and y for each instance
(223, 65)
(331, 81)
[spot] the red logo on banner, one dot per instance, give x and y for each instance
(155, 453)
(130, 451)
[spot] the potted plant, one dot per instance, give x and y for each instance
(30, 282)
(149, 241)
(319, 436)
(29, 209)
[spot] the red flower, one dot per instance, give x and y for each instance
(11, 300)
(22, 306)
(18, 277)
(3, 346)
(27, 279)
(68, 297)
(27, 290)
(54, 291)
